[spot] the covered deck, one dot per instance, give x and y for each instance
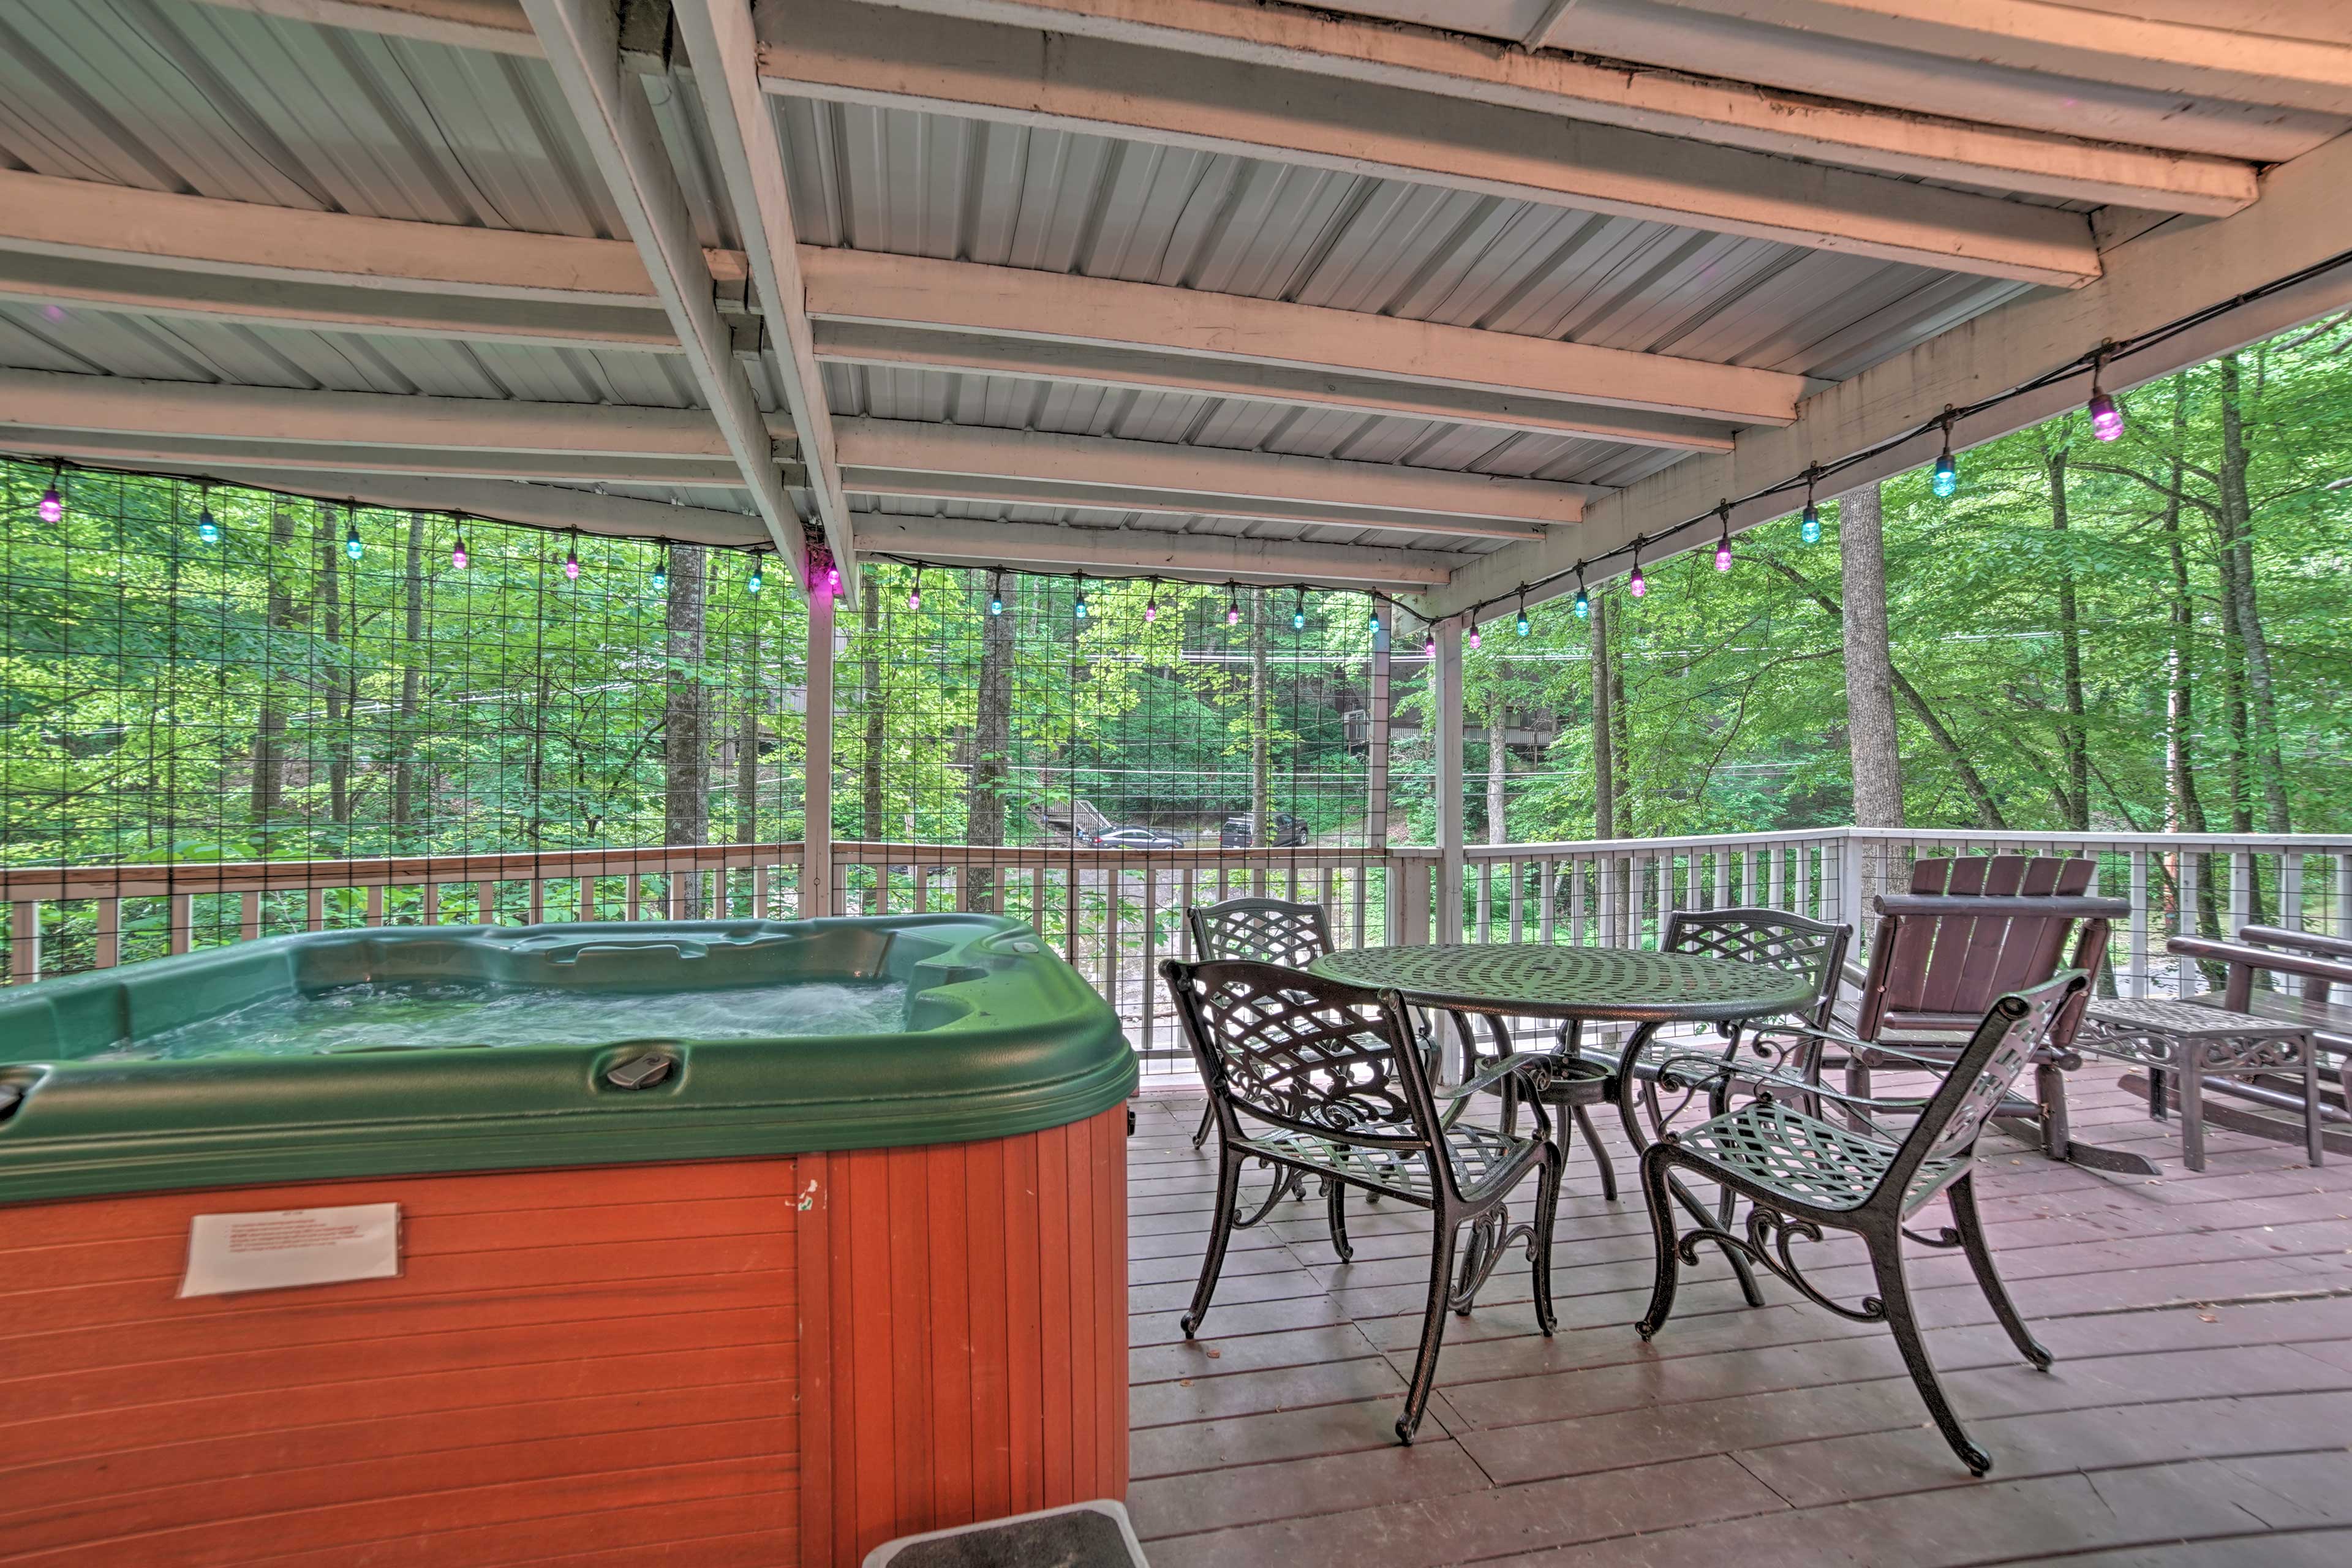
(1451, 308)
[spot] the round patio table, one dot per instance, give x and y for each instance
(1575, 985)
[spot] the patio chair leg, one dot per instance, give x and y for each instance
(1445, 1237)
(1548, 1180)
(1962, 1196)
(1660, 1199)
(1336, 1195)
(1221, 1231)
(1208, 1121)
(1895, 1296)
(1599, 1154)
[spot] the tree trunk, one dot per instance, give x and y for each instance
(746, 759)
(2184, 809)
(2269, 765)
(991, 747)
(1605, 761)
(686, 746)
(1871, 741)
(870, 632)
(330, 592)
(1498, 761)
(1261, 722)
(412, 677)
(269, 794)
(2074, 737)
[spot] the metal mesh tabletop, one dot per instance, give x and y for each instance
(1536, 980)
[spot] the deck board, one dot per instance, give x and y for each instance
(2200, 1410)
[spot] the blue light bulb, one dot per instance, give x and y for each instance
(1584, 606)
(1809, 531)
(207, 529)
(1948, 475)
(351, 545)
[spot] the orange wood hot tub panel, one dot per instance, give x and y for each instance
(606, 1366)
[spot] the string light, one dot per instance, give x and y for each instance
(1376, 611)
(571, 559)
(915, 594)
(756, 580)
(459, 559)
(1232, 605)
(1521, 626)
(208, 528)
(1473, 636)
(53, 505)
(1429, 644)
(1947, 478)
(1810, 530)
(1298, 613)
(2106, 419)
(661, 572)
(1637, 585)
(1584, 606)
(833, 581)
(1723, 545)
(1151, 604)
(351, 545)
(996, 594)
(1079, 608)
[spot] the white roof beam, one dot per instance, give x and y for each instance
(525, 505)
(1065, 307)
(78, 243)
(113, 449)
(105, 403)
(2266, 60)
(1428, 66)
(582, 45)
(990, 491)
(2158, 279)
(743, 129)
(1974, 145)
(1139, 552)
(1151, 370)
(1106, 469)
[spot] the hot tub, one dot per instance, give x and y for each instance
(678, 1277)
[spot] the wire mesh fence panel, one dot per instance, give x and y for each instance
(1094, 757)
(228, 713)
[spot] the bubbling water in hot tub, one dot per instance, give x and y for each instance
(420, 1016)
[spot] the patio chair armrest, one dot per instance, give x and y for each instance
(1516, 1065)
(1789, 1086)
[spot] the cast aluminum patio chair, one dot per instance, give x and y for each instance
(1312, 1075)
(1801, 1175)
(1262, 930)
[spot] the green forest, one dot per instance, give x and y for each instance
(2142, 634)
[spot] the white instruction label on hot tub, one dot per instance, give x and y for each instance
(271, 1250)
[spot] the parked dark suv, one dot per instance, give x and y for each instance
(1289, 833)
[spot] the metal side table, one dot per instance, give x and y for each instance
(2190, 1041)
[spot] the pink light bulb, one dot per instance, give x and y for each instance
(1639, 584)
(1151, 610)
(457, 557)
(1723, 556)
(53, 507)
(572, 567)
(1474, 639)
(2107, 419)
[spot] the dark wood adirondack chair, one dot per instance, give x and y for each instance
(1971, 929)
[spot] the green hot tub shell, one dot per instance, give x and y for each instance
(1001, 1036)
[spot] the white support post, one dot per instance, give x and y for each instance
(1375, 770)
(816, 825)
(1448, 696)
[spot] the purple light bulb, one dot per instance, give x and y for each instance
(1639, 584)
(53, 507)
(2107, 419)
(1723, 556)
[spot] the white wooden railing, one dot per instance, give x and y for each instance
(1116, 913)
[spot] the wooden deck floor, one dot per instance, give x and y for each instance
(2200, 1412)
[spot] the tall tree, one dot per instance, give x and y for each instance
(1498, 762)
(1604, 727)
(876, 717)
(686, 746)
(1873, 743)
(2246, 620)
(991, 746)
(2074, 739)
(1260, 726)
(339, 672)
(269, 791)
(412, 677)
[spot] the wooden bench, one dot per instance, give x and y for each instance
(2321, 1001)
